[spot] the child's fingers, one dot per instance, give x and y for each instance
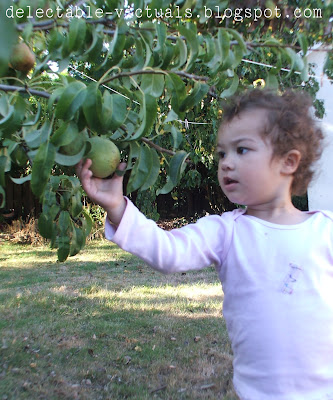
(122, 166)
(82, 166)
(120, 171)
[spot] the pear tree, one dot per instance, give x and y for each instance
(74, 73)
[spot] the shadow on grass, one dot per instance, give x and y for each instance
(104, 326)
(58, 343)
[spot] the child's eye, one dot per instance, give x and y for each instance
(242, 150)
(221, 154)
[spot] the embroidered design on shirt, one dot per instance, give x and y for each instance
(291, 278)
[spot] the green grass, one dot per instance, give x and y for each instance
(103, 325)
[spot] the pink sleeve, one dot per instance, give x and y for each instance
(194, 246)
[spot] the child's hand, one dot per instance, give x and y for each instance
(108, 193)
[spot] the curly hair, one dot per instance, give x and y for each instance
(290, 125)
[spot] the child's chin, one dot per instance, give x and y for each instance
(235, 199)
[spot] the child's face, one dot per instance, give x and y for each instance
(247, 172)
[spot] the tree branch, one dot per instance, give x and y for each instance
(126, 74)
(191, 76)
(161, 149)
(150, 71)
(281, 45)
(45, 25)
(10, 88)
(157, 147)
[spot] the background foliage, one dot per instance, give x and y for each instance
(150, 77)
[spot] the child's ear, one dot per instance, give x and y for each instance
(291, 162)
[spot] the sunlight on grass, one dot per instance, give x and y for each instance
(175, 301)
(104, 325)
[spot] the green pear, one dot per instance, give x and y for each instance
(104, 155)
(22, 58)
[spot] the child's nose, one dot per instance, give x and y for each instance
(227, 163)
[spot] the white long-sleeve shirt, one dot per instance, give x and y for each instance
(278, 293)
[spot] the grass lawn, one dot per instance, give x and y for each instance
(102, 325)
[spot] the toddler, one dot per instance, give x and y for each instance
(275, 262)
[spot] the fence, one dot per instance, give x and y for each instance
(20, 202)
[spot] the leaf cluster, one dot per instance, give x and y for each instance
(106, 69)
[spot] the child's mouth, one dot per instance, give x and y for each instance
(228, 181)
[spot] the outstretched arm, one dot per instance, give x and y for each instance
(108, 193)
(194, 246)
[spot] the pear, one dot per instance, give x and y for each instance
(22, 58)
(104, 155)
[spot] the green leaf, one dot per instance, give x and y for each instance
(303, 42)
(223, 42)
(3, 164)
(86, 222)
(56, 94)
(210, 48)
(153, 84)
(96, 45)
(77, 241)
(134, 151)
(33, 118)
(153, 172)
(64, 222)
(118, 42)
(178, 90)
(272, 81)
(72, 182)
(41, 168)
(19, 181)
(27, 31)
(92, 107)
(231, 90)
(192, 42)
(146, 36)
(292, 57)
(76, 34)
(6, 117)
(68, 161)
(63, 248)
(305, 70)
(8, 36)
(181, 54)
(166, 188)
(114, 111)
(76, 205)
(149, 113)
(3, 196)
(237, 36)
(196, 95)
(141, 169)
(45, 226)
(176, 168)
(172, 116)
(161, 31)
(177, 137)
(71, 100)
(13, 120)
(169, 53)
(65, 134)
(55, 40)
(139, 56)
(34, 138)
